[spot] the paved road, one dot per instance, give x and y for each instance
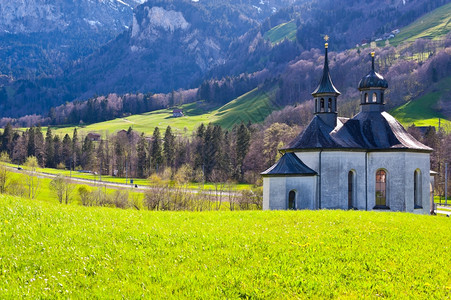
(115, 185)
(439, 210)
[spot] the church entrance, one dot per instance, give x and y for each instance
(292, 200)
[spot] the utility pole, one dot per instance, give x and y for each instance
(446, 183)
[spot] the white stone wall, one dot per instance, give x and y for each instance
(400, 168)
(335, 166)
(276, 190)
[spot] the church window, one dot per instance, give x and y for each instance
(366, 98)
(322, 104)
(382, 98)
(351, 189)
(329, 105)
(292, 200)
(374, 97)
(381, 189)
(417, 189)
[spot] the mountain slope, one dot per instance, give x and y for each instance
(434, 25)
(252, 107)
(39, 37)
(429, 109)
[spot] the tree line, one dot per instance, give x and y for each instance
(209, 153)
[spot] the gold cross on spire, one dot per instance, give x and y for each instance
(326, 37)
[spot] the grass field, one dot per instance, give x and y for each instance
(423, 110)
(253, 106)
(54, 251)
(433, 25)
(280, 32)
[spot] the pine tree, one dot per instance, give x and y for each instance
(87, 151)
(156, 159)
(66, 151)
(49, 152)
(169, 147)
(199, 147)
(75, 149)
(7, 139)
(39, 146)
(57, 150)
(31, 145)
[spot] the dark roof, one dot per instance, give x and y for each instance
(316, 135)
(325, 85)
(373, 79)
(366, 131)
(289, 164)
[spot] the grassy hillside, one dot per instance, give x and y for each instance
(253, 106)
(53, 251)
(433, 25)
(425, 111)
(281, 32)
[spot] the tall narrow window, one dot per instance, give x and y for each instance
(381, 189)
(417, 189)
(329, 105)
(382, 98)
(366, 98)
(351, 189)
(322, 104)
(292, 200)
(374, 97)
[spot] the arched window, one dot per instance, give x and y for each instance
(417, 189)
(351, 189)
(381, 189)
(329, 105)
(374, 97)
(316, 104)
(322, 105)
(366, 98)
(292, 200)
(382, 98)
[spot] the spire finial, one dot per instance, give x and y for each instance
(326, 38)
(372, 60)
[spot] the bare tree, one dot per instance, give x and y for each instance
(32, 180)
(63, 188)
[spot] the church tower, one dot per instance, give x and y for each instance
(372, 87)
(326, 95)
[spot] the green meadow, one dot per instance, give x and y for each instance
(433, 25)
(59, 251)
(253, 106)
(280, 32)
(425, 110)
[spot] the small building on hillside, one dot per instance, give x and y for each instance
(94, 137)
(368, 162)
(177, 113)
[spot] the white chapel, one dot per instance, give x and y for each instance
(368, 162)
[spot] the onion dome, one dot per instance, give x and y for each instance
(373, 79)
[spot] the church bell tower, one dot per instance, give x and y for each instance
(372, 87)
(326, 94)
